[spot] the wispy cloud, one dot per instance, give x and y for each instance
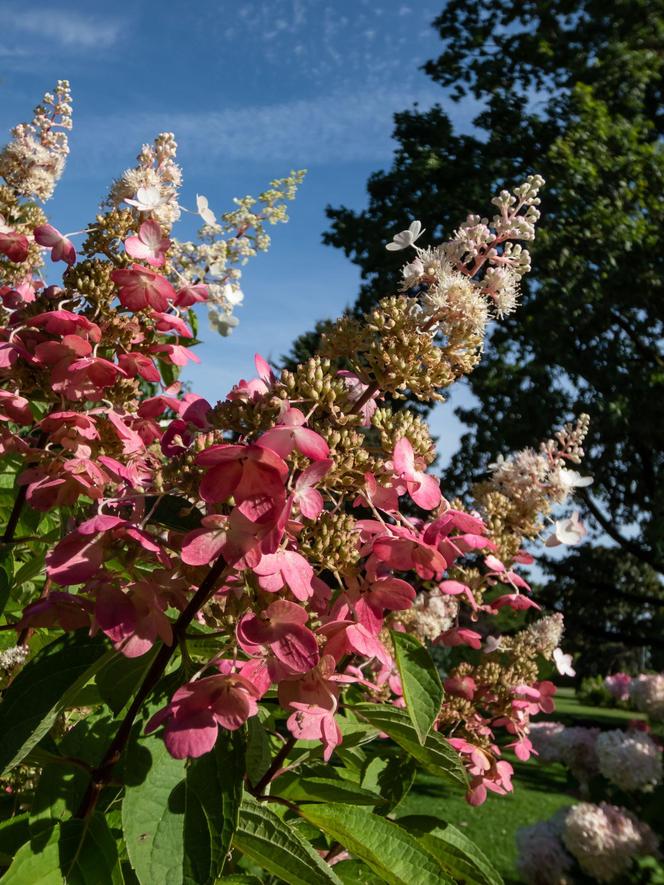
(332, 129)
(338, 41)
(66, 28)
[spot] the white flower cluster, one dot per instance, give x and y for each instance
(605, 839)
(11, 658)
(451, 296)
(446, 276)
(542, 859)
(630, 760)
(34, 159)
(575, 747)
(224, 245)
(545, 738)
(538, 480)
(647, 694)
(152, 186)
(546, 634)
(431, 614)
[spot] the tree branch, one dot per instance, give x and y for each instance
(19, 503)
(626, 543)
(101, 775)
(274, 768)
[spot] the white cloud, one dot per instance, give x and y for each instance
(66, 27)
(335, 128)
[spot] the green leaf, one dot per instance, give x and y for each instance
(46, 686)
(153, 813)
(30, 569)
(456, 853)
(78, 852)
(354, 872)
(391, 775)
(241, 879)
(435, 755)
(270, 842)
(214, 788)
(173, 512)
(6, 575)
(61, 785)
(390, 851)
(119, 680)
(259, 752)
(322, 789)
(14, 832)
(422, 688)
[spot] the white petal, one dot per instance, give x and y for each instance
(146, 199)
(234, 295)
(563, 662)
(415, 268)
(572, 479)
(204, 211)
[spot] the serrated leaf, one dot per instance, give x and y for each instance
(153, 814)
(386, 848)
(435, 755)
(214, 784)
(456, 853)
(270, 842)
(241, 879)
(391, 775)
(44, 687)
(323, 789)
(354, 872)
(422, 688)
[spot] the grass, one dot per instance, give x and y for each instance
(539, 791)
(570, 711)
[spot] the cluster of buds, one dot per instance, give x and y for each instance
(525, 488)
(306, 522)
(34, 159)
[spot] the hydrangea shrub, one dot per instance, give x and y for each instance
(218, 616)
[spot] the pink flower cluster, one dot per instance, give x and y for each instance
(108, 454)
(618, 685)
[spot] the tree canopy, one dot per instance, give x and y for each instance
(573, 91)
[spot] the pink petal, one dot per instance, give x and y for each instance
(311, 444)
(263, 368)
(194, 737)
(297, 649)
(298, 574)
(220, 482)
(427, 493)
(202, 546)
(310, 502)
(403, 457)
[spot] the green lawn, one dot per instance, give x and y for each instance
(571, 712)
(539, 791)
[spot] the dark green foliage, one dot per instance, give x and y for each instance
(572, 91)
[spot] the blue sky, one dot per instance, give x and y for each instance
(251, 90)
